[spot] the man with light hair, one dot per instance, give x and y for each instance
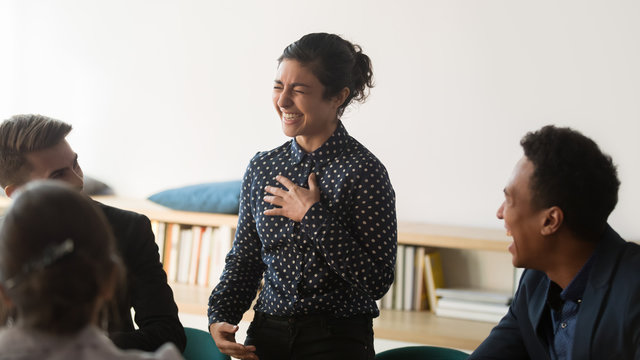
(35, 147)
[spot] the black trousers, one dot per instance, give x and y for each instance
(311, 337)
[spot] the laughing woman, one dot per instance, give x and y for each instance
(317, 220)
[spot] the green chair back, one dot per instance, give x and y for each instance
(200, 346)
(422, 353)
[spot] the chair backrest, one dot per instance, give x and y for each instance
(422, 352)
(200, 346)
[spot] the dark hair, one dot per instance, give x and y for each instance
(57, 257)
(22, 134)
(572, 173)
(336, 63)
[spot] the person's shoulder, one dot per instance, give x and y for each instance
(359, 154)
(626, 253)
(93, 342)
(632, 247)
(113, 213)
(262, 158)
(631, 255)
(14, 342)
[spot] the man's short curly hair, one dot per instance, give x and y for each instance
(571, 172)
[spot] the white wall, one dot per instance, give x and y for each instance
(168, 93)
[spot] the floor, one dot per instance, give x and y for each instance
(200, 322)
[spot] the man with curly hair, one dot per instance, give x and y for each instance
(580, 295)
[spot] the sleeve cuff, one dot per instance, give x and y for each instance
(313, 220)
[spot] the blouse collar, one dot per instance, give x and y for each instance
(329, 150)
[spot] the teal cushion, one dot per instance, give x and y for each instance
(215, 197)
(200, 346)
(422, 352)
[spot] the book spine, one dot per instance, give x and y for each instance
(184, 256)
(409, 280)
(420, 298)
(172, 263)
(205, 257)
(195, 254)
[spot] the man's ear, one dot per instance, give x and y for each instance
(10, 189)
(552, 220)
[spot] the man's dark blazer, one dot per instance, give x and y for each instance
(147, 291)
(608, 323)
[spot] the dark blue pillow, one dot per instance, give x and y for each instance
(215, 197)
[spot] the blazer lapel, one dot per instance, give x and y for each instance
(607, 251)
(537, 304)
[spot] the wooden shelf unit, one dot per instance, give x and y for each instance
(408, 326)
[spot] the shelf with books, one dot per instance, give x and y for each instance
(420, 282)
(192, 254)
(192, 245)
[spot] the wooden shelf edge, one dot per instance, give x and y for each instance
(452, 237)
(426, 328)
(162, 213)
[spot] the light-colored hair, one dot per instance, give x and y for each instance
(22, 134)
(58, 260)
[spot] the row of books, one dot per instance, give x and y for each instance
(418, 274)
(196, 255)
(192, 254)
(419, 285)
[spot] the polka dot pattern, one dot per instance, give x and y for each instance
(338, 260)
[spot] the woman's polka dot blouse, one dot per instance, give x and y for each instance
(337, 261)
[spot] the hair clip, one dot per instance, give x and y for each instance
(50, 255)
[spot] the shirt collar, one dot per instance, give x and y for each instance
(556, 296)
(329, 150)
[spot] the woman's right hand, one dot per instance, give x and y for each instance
(224, 334)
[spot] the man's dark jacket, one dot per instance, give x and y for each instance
(146, 291)
(608, 322)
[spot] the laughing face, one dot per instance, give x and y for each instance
(522, 220)
(304, 112)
